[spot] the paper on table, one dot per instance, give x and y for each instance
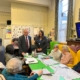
(54, 77)
(46, 77)
(31, 60)
(40, 53)
(66, 73)
(72, 74)
(45, 71)
(1, 65)
(63, 66)
(40, 57)
(49, 61)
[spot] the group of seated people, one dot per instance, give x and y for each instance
(14, 65)
(63, 56)
(9, 51)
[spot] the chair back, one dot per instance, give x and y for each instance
(52, 43)
(78, 54)
(60, 47)
(75, 58)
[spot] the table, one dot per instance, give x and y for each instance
(41, 65)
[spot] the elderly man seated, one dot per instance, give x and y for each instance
(56, 53)
(12, 50)
(66, 56)
(14, 66)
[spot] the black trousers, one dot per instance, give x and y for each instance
(77, 67)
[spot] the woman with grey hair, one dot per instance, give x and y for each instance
(56, 53)
(66, 56)
(14, 66)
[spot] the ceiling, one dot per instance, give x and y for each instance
(5, 5)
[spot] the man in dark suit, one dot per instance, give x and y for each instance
(25, 43)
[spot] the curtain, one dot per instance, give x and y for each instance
(70, 20)
(56, 18)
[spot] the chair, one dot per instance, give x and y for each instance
(48, 51)
(60, 47)
(75, 58)
(2, 77)
(52, 45)
(77, 48)
(78, 54)
(73, 47)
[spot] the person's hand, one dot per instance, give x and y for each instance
(32, 73)
(40, 72)
(23, 59)
(23, 53)
(40, 49)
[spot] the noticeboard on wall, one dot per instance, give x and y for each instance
(8, 32)
(17, 30)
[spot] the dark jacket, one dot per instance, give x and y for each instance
(2, 54)
(22, 44)
(10, 49)
(41, 44)
(77, 67)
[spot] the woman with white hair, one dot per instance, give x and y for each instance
(56, 53)
(66, 55)
(13, 67)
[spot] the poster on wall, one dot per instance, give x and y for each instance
(17, 31)
(8, 32)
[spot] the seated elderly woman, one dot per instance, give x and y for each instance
(66, 56)
(14, 66)
(56, 53)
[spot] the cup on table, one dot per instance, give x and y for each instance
(32, 52)
(26, 54)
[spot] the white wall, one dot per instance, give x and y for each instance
(5, 6)
(30, 15)
(51, 16)
(4, 16)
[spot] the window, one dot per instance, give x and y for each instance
(62, 20)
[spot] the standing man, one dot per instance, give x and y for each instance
(25, 43)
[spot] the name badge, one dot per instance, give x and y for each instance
(39, 43)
